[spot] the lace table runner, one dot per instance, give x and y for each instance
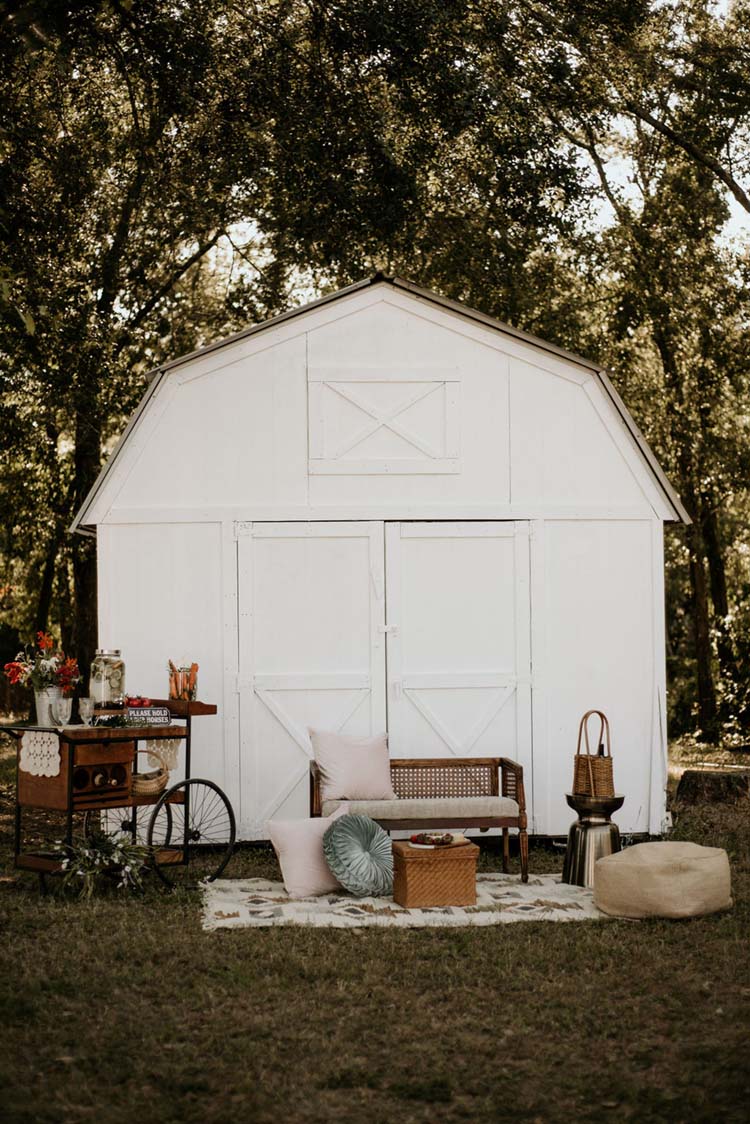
(40, 754)
(163, 748)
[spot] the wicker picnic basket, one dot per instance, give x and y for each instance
(445, 876)
(592, 773)
(153, 783)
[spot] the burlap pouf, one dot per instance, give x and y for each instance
(663, 880)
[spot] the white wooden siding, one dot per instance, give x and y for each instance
(257, 433)
(595, 647)
(311, 644)
(160, 598)
(459, 660)
(236, 435)
(562, 453)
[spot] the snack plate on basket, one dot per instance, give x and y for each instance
(432, 840)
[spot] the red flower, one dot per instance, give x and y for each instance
(45, 641)
(14, 671)
(68, 675)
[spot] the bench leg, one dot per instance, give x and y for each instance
(523, 843)
(506, 850)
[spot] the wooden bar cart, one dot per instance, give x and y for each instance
(93, 775)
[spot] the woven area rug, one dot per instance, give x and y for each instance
(501, 898)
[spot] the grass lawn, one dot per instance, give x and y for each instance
(122, 1009)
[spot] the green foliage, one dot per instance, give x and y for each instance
(170, 172)
(101, 860)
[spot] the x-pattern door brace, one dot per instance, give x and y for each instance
(386, 419)
(461, 748)
(300, 737)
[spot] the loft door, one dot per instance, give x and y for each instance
(458, 628)
(312, 653)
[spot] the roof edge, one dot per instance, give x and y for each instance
(487, 321)
(681, 513)
(281, 318)
(78, 527)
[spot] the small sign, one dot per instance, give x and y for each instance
(149, 715)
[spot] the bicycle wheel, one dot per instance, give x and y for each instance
(191, 832)
(127, 820)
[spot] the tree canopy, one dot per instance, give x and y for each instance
(170, 171)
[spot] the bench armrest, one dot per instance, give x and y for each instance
(511, 775)
(316, 803)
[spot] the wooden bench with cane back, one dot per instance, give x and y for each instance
(445, 792)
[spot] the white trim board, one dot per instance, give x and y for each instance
(383, 512)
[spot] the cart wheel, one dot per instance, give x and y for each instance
(192, 825)
(131, 821)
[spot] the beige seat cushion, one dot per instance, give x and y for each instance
(663, 880)
(452, 808)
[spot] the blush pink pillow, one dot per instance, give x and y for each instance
(352, 768)
(299, 848)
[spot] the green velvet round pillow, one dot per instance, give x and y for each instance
(359, 854)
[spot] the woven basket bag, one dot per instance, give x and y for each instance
(592, 772)
(154, 783)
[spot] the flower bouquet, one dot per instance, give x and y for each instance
(49, 672)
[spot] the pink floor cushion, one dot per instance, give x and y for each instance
(663, 880)
(299, 848)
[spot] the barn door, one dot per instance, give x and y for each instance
(458, 627)
(312, 653)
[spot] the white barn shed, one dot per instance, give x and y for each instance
(385, 510)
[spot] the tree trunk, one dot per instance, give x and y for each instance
(706, 786)
(87, 457)
(707, 708)
(719, 596)
(44, 600)
(84, 589)
(680, 425)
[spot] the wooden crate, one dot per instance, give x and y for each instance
(444, 876)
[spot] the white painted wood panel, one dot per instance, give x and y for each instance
(400, 345)
(459, 658)
(236, 435)
(594, 611)
(561, 450)
(161, 598)
(312, 653)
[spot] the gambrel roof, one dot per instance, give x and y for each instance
(81, 522)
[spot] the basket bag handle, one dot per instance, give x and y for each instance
(583, 731)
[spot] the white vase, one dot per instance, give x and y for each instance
(42, 700)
